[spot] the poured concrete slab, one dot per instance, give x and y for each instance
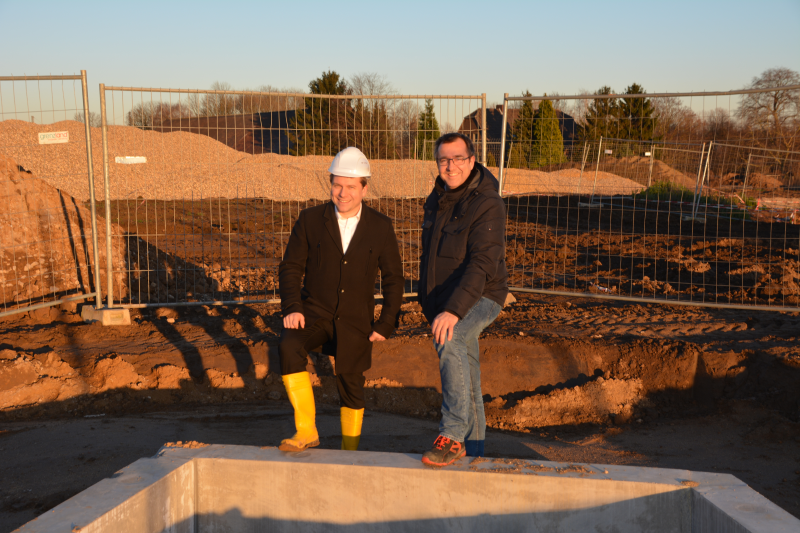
(240, 488)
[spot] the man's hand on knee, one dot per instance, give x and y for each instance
(442, 327)
(294, 321)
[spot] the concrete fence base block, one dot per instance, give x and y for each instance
(241, 488)
(107, 317)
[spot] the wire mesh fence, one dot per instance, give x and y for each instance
(204, 186)
(47, 242)
(688, 198)
(681, 198)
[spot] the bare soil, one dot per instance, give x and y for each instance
(221, 249)
(564, 379)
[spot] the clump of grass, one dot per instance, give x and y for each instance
(666, 191)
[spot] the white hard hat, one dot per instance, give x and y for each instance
(350, 163)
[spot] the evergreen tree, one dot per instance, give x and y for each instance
(602, 117)
(319, 128)
(427, 130)
(519, 155)
(636, 115)
(548, 142)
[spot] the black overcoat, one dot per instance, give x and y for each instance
(321, 282)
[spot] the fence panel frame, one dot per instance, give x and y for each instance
(104, 89)
(90, 175)
(703, 169)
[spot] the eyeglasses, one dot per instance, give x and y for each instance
(442, 161)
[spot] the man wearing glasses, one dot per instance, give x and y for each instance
(463, 286)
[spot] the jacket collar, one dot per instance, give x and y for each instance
(332, 223)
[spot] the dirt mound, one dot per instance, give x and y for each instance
(46, 244)
(638, 169)
(763, 181)
(593, 403)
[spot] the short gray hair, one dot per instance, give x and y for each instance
(448, 138)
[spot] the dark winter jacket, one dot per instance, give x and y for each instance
(319, 281)
(463, 246)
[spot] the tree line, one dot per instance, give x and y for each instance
(333, 116)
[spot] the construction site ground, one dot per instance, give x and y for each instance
(565, 379)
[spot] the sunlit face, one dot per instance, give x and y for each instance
(453, 173)
(346, 194)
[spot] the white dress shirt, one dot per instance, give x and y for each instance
(347, 227)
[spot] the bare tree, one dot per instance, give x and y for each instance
(147, 115)
(276, 100)
(559, 105)
(676, 122)
(371, 83)
(95, 120)
(773, 117)
(447, 127)
(718, 125)
(404, 117)
(578, 109)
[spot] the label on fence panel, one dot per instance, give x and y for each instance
(609, 152)
(130, 160)
(54, 137)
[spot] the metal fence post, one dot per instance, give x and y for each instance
(702, 179)
(650, 172)
(583, 165)
(596, 169)
(503, 145)
(109, 275)
(483, 129)
(90, 165)
(746, 172)
(699, 176)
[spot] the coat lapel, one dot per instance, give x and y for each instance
(361, 228)
(333, 226)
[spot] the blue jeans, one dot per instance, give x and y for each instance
(463, 418)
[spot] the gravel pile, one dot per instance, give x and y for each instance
(568, 181)
(182, 165)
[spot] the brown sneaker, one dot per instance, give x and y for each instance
(445, 452)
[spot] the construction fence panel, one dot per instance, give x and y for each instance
(204, 187)
(685, 198)
(47, 243)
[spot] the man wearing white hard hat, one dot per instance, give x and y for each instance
(327, 286)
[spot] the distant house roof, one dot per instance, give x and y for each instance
(257, 133)
(471, 125)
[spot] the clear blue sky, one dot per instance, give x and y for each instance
(421, 47)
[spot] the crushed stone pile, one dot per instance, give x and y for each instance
(183, 165)
(569, 181)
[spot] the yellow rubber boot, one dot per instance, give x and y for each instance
(298, 387)
(351, 427)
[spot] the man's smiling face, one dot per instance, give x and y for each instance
(452, 172)
(346, 194)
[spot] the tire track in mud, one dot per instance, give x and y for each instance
(651, 321)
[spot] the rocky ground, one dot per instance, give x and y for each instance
(564, 379)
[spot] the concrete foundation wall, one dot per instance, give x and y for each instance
(220, 489)
(403, 497)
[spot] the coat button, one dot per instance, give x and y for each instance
(341, 290)
(345, 262)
